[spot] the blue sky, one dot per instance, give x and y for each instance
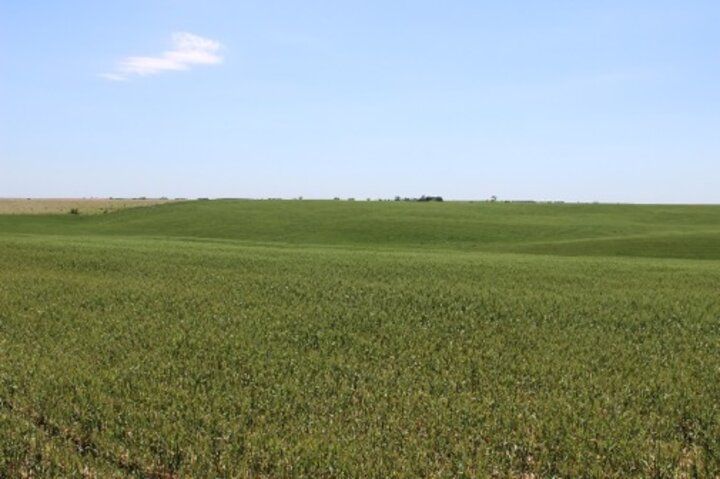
(613, 101)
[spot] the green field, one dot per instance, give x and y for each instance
(361, 339)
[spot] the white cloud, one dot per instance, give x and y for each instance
(188, 50)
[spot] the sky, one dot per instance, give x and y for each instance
(610, 101)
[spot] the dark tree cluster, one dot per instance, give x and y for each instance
(422, 198)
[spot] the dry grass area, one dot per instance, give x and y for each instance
(84, 206)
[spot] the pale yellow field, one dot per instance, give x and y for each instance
(84, 206)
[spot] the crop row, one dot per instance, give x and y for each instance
(164, 358)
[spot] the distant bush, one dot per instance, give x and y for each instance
(74, 211)
(422, 198)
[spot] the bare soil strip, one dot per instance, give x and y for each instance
(83, 206)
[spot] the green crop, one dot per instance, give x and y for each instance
(332, 339)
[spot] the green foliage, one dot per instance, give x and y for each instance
(558, 229)
(415, 348)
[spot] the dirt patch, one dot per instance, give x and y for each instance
(83, 206)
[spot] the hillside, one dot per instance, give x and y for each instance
(361, 339)
(556, 229)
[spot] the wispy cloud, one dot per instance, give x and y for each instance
(188, 50)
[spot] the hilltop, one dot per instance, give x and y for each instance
(662, 231)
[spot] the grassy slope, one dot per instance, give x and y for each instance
(419, 347)
(656, 231)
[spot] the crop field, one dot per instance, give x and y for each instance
(85, 206)
(361, 339)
